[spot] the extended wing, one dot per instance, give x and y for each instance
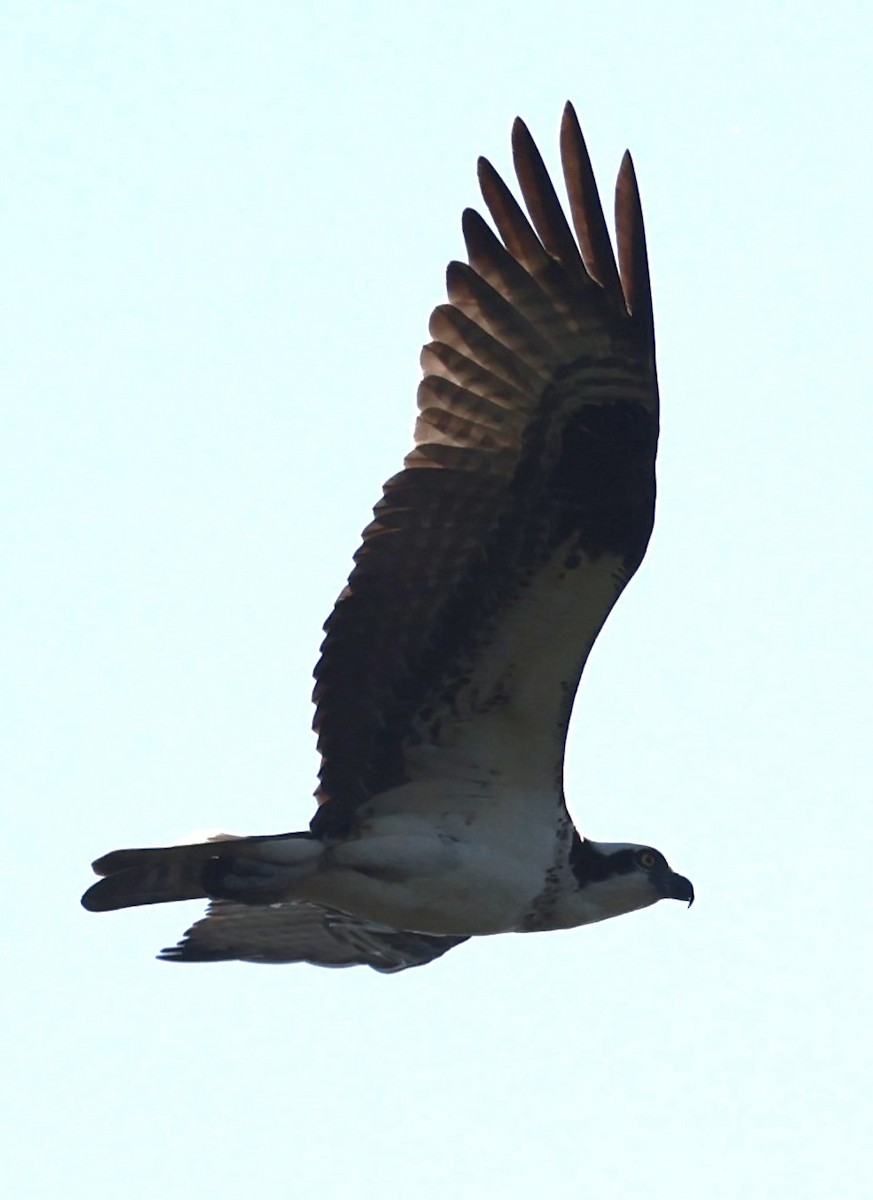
(313, 933)
(495, 556)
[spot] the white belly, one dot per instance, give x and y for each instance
(474, 865)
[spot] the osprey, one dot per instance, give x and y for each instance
(452, 657)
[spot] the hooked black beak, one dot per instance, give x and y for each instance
(677, 887)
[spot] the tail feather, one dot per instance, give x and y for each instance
(121, 860)
(255, 870)
(153, 876)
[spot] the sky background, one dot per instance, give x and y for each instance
(224, 227)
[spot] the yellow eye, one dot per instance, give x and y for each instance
(646, 859)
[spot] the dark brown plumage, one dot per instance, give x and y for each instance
(538, 416)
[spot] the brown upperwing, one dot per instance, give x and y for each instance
(537, 430)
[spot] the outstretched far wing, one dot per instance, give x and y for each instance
(495, 556)
(292, 932)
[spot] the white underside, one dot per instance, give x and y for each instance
(462, 863)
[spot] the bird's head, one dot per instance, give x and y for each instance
(619, 877)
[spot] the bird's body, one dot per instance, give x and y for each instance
(452, 658)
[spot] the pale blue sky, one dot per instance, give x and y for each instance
(225, 226)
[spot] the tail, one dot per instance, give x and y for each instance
(249, 870)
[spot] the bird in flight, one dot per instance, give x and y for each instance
(452, 656)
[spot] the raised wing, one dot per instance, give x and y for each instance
(495, 556)
(292, 932)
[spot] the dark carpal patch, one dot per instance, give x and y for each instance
(602, 485)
